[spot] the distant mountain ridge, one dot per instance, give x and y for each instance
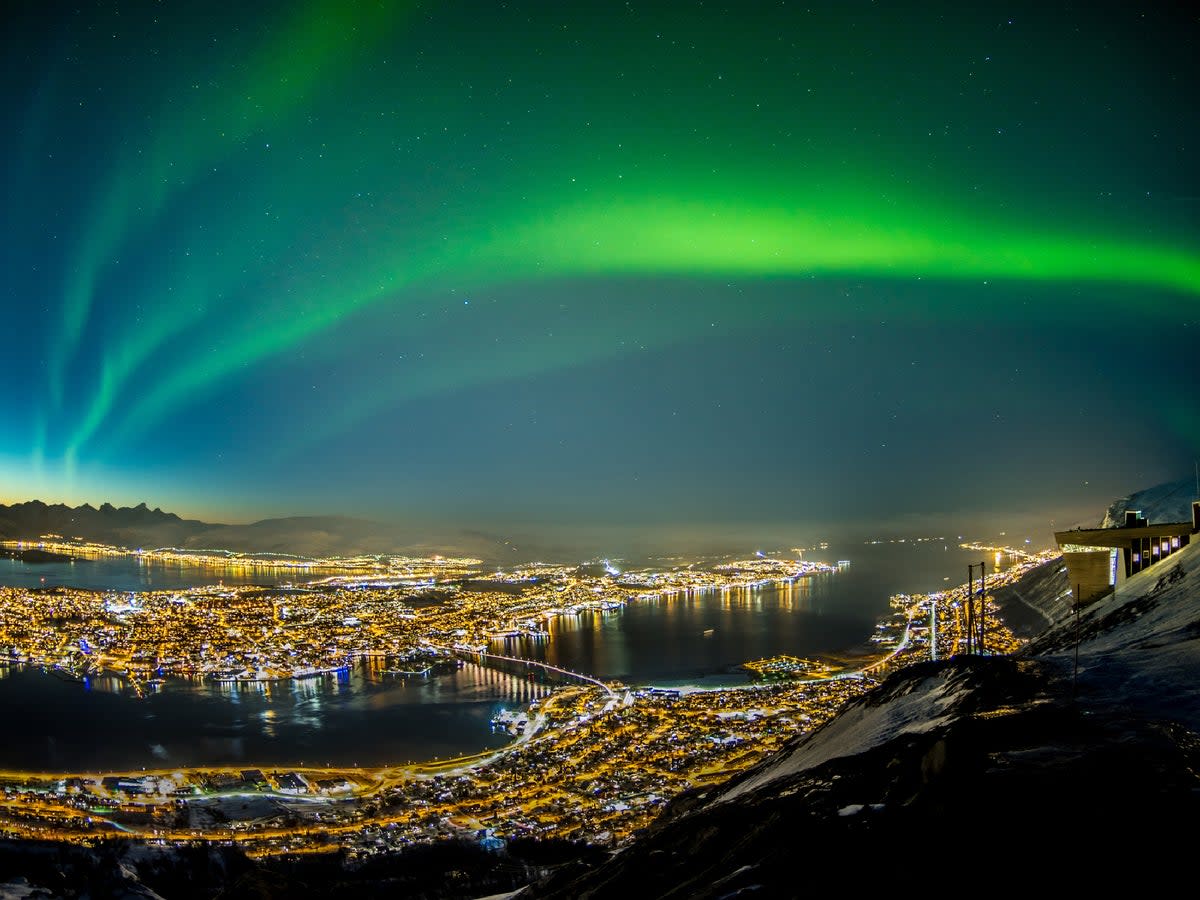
(126, 525)
(1070, 765)
(140, 526)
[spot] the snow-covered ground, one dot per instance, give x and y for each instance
(1139, 655)
(862, 727)
(1140, 648)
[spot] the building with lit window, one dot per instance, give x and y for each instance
(1099, 558)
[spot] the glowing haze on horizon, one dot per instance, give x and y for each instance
(598, 265)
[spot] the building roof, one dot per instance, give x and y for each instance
(1120, 537)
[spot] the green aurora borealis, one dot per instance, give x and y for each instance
(303, 255)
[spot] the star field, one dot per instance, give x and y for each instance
(598, 263)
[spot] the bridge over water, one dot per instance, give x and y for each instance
(579, 676)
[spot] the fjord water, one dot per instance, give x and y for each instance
(702, 638)
(123, 573)
(360, 718)
(365, 717)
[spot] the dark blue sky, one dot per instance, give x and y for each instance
(674, 268)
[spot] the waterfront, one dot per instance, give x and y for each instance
(127, 573)
(703, 637)
(357, 717)
(364, 717)
(588, 761)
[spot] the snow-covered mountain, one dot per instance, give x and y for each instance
(1169, 502)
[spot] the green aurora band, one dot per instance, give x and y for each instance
(654, 236)
(220, 294)
(299, 57)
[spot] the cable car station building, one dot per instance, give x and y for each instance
(1097, 557)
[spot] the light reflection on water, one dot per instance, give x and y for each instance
(369, 718)
(129, 573)
(696, 634)
(364, 718)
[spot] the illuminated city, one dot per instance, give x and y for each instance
(543, 451)
(590, 760)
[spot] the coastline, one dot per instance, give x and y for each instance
(96, 604)
(637, 744)
(864, 670)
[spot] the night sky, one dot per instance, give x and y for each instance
(677, 268)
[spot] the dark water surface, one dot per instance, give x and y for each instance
(701, 638)
(366, 717)
(363, 717)
(130, 573)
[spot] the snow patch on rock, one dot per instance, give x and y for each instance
(861, 727)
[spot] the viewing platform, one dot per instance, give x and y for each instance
(1092, 555)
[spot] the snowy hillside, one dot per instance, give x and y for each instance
(1027, 759)
(920, 707)
(1139, 648)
